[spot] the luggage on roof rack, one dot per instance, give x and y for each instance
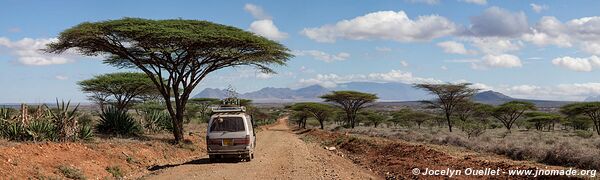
(223, 109)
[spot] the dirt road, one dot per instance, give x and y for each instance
(280, 154)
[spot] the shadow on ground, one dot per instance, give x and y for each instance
(194, 162)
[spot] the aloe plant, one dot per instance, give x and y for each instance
(65, 119)
(119, 122)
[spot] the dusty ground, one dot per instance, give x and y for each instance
(132, 156)
(280, 154)
(395, 159)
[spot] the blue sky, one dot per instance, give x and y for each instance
(526, 49)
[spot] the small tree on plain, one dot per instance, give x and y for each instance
(448, 96)
(321, 112)
(508, 113)
(589, 109)
(351, 102)
(119, 88)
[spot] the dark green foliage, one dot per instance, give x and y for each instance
(589, 109)
(350, 102)
(14, 131)
(117, 122)
(86, 132)
(42, 130)
(119, 89)
(321, 112)
(372, 118)
(158, 121)
(448, 97)
(508, 113)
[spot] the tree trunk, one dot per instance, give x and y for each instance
(178, 126)
(321, 122)
(449, 122)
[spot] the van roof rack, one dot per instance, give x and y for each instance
(225, 109)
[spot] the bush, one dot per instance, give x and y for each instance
(41, 130)
(115, 171)
(473, 129)
(156, 121)
(71, 173)
(117, 122)
(14, 131)
(584, 134)
(86, 132)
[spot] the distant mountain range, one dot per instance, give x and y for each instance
(385, 92)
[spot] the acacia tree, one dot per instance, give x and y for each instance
(589, 109)
(408, 115)
(448, 96)
(119, 88)
(319, 111)
(203, 104)
(541, 119)
(351, 102)
(373, 118)
(508, 113)
(183, 52)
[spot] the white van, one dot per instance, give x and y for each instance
(230, 134)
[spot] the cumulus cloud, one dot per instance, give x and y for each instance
(563, 92)
(267, 29)
(498, 22)
(584, 32)
(454, 47)
(28, 52)
(331, 80)
(323, 56)
(387, 25)
(549, 31)
(256, 11)
(503, 60)
(538, 7)
(577, 64)
(263, 25)
(480, 2)
(495, 45)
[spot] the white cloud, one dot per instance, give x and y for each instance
(29, 52)
(320, 55)
(571, 92)
(444, 68)
(267, 29)
(454, 47)
(498, 22)
(430, 2)
(383, 49)
(404, 63)
(503, 60)
(549, 31)
(387, 25)
(577, 64)
(480, 2)
(264, 76)
(538, 7)
(256, 11)
(61, 77)
(495, 45)
(331, 80)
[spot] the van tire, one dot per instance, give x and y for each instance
(212, 159)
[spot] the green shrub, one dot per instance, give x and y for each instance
(117, 122)
(473, 129)
(14, 131)
(71, 173)
(41, 130)
(115, 171)
(584, 133)
(86, 132)
(158, 121)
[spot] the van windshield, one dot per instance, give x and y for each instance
(228, 124)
